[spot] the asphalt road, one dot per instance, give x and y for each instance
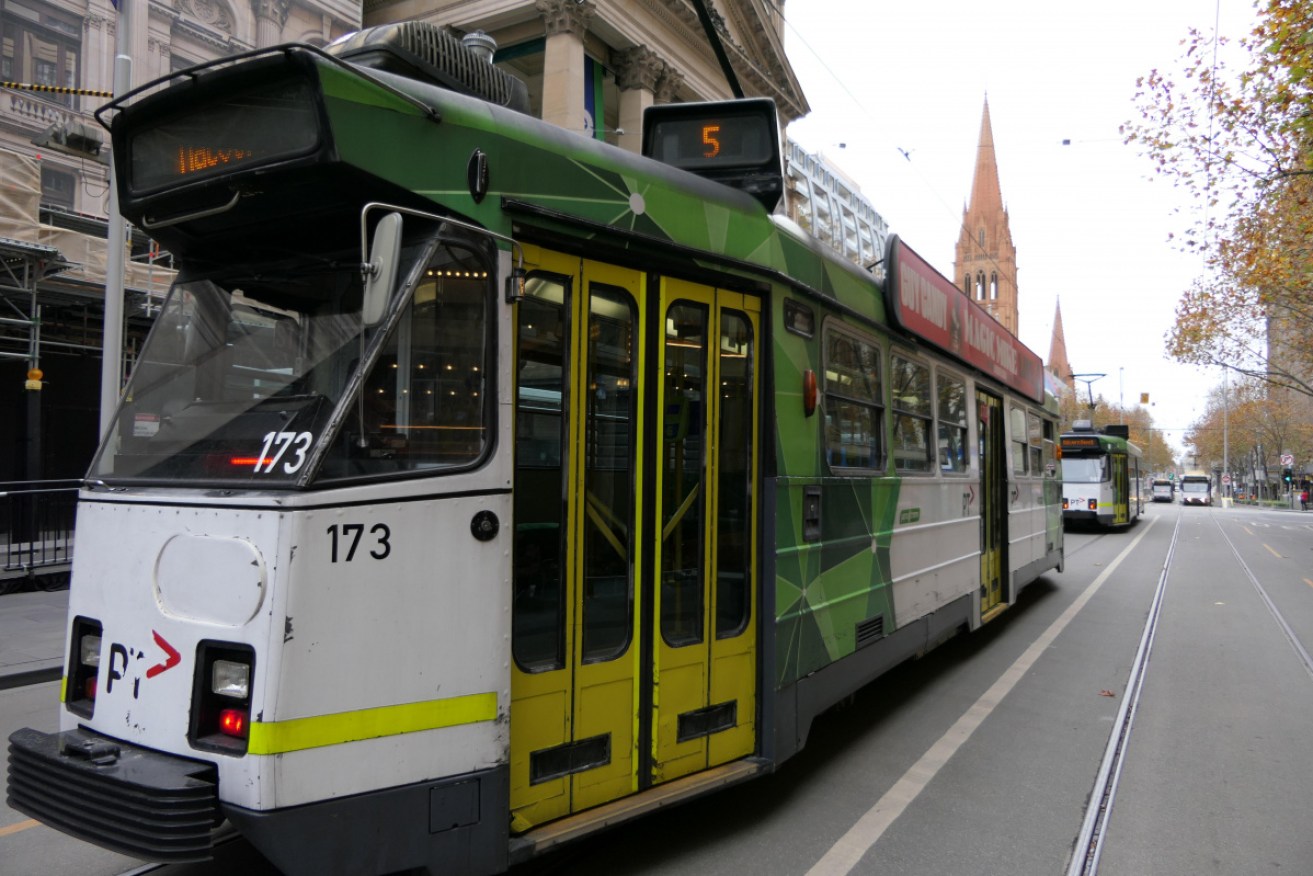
(980, 757)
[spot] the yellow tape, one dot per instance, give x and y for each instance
(56, 89)
(278, 737)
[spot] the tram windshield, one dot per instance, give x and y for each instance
(246, 375)
(1084, 470)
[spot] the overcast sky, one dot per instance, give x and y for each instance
(1090, 226)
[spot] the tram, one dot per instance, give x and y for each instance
(481, 486)
(1100, 476)
(1164, 490)
(1196, 489)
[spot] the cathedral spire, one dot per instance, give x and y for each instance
(986, 193)
(1057, 364)
(986, 261)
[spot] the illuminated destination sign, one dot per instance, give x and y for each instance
(736, 142)
(1081, 443)
(272, 123)
(927, 304)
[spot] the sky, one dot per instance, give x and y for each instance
(1091, 225)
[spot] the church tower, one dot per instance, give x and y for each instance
(986, 261)
(1057, 367)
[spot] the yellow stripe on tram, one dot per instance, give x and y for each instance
(278, 737)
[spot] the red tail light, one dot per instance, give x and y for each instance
(232, 722)
(1094, 504)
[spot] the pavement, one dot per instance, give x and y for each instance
(32, 637)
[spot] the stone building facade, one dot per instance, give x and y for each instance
(591, 66)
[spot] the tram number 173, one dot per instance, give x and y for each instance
(346, 539)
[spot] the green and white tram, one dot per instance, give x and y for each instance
(1100, 476)
(481, 485)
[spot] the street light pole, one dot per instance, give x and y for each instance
(111, 362)
(1226, 439)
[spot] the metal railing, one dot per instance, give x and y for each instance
(36, 532)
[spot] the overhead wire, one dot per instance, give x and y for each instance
(905, 153)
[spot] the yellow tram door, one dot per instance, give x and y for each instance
(1121, 489)
(704, 689)
(577, 491)
(993, 498)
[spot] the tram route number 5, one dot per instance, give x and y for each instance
(346, 539)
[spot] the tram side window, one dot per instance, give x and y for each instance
(912, 414)
(1035, 444)
(854, 414)
(1017, 428)
(1050, 450)
(952, 423)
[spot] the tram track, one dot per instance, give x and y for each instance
(1300, 651)
(1089, 842)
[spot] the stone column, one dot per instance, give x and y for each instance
(270, 16)
(563, 61)
(637, 72)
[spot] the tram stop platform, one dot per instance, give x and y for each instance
(32, 637)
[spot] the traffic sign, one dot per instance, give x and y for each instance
(1287, 459)
(1226, 479)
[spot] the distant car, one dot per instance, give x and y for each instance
(1163, 490)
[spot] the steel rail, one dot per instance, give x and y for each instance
(1089, 842)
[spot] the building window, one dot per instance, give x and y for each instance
(58, 187)
(41, 46)
(993, 287)
(982, 238)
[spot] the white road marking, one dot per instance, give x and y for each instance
(845, 854)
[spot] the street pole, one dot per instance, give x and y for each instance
(112, 331)
(1226, 438)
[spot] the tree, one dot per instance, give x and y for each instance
(1249, 426)
(1242, 146)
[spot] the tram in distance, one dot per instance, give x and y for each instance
(1196, 489)
(481, 485)
(1164, 490)
(1100, 476)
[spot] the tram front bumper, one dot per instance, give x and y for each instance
(130, 800)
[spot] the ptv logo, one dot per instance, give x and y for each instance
(120, 657)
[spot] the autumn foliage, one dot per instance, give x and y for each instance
(1241, 143)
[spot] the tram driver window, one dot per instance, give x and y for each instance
(423, 404)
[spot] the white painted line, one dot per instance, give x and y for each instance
(845, 854)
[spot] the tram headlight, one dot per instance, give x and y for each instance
(221, 697)
(231, 679)
(83, 667)
(89, 651)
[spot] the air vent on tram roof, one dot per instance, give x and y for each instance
(423, 51)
